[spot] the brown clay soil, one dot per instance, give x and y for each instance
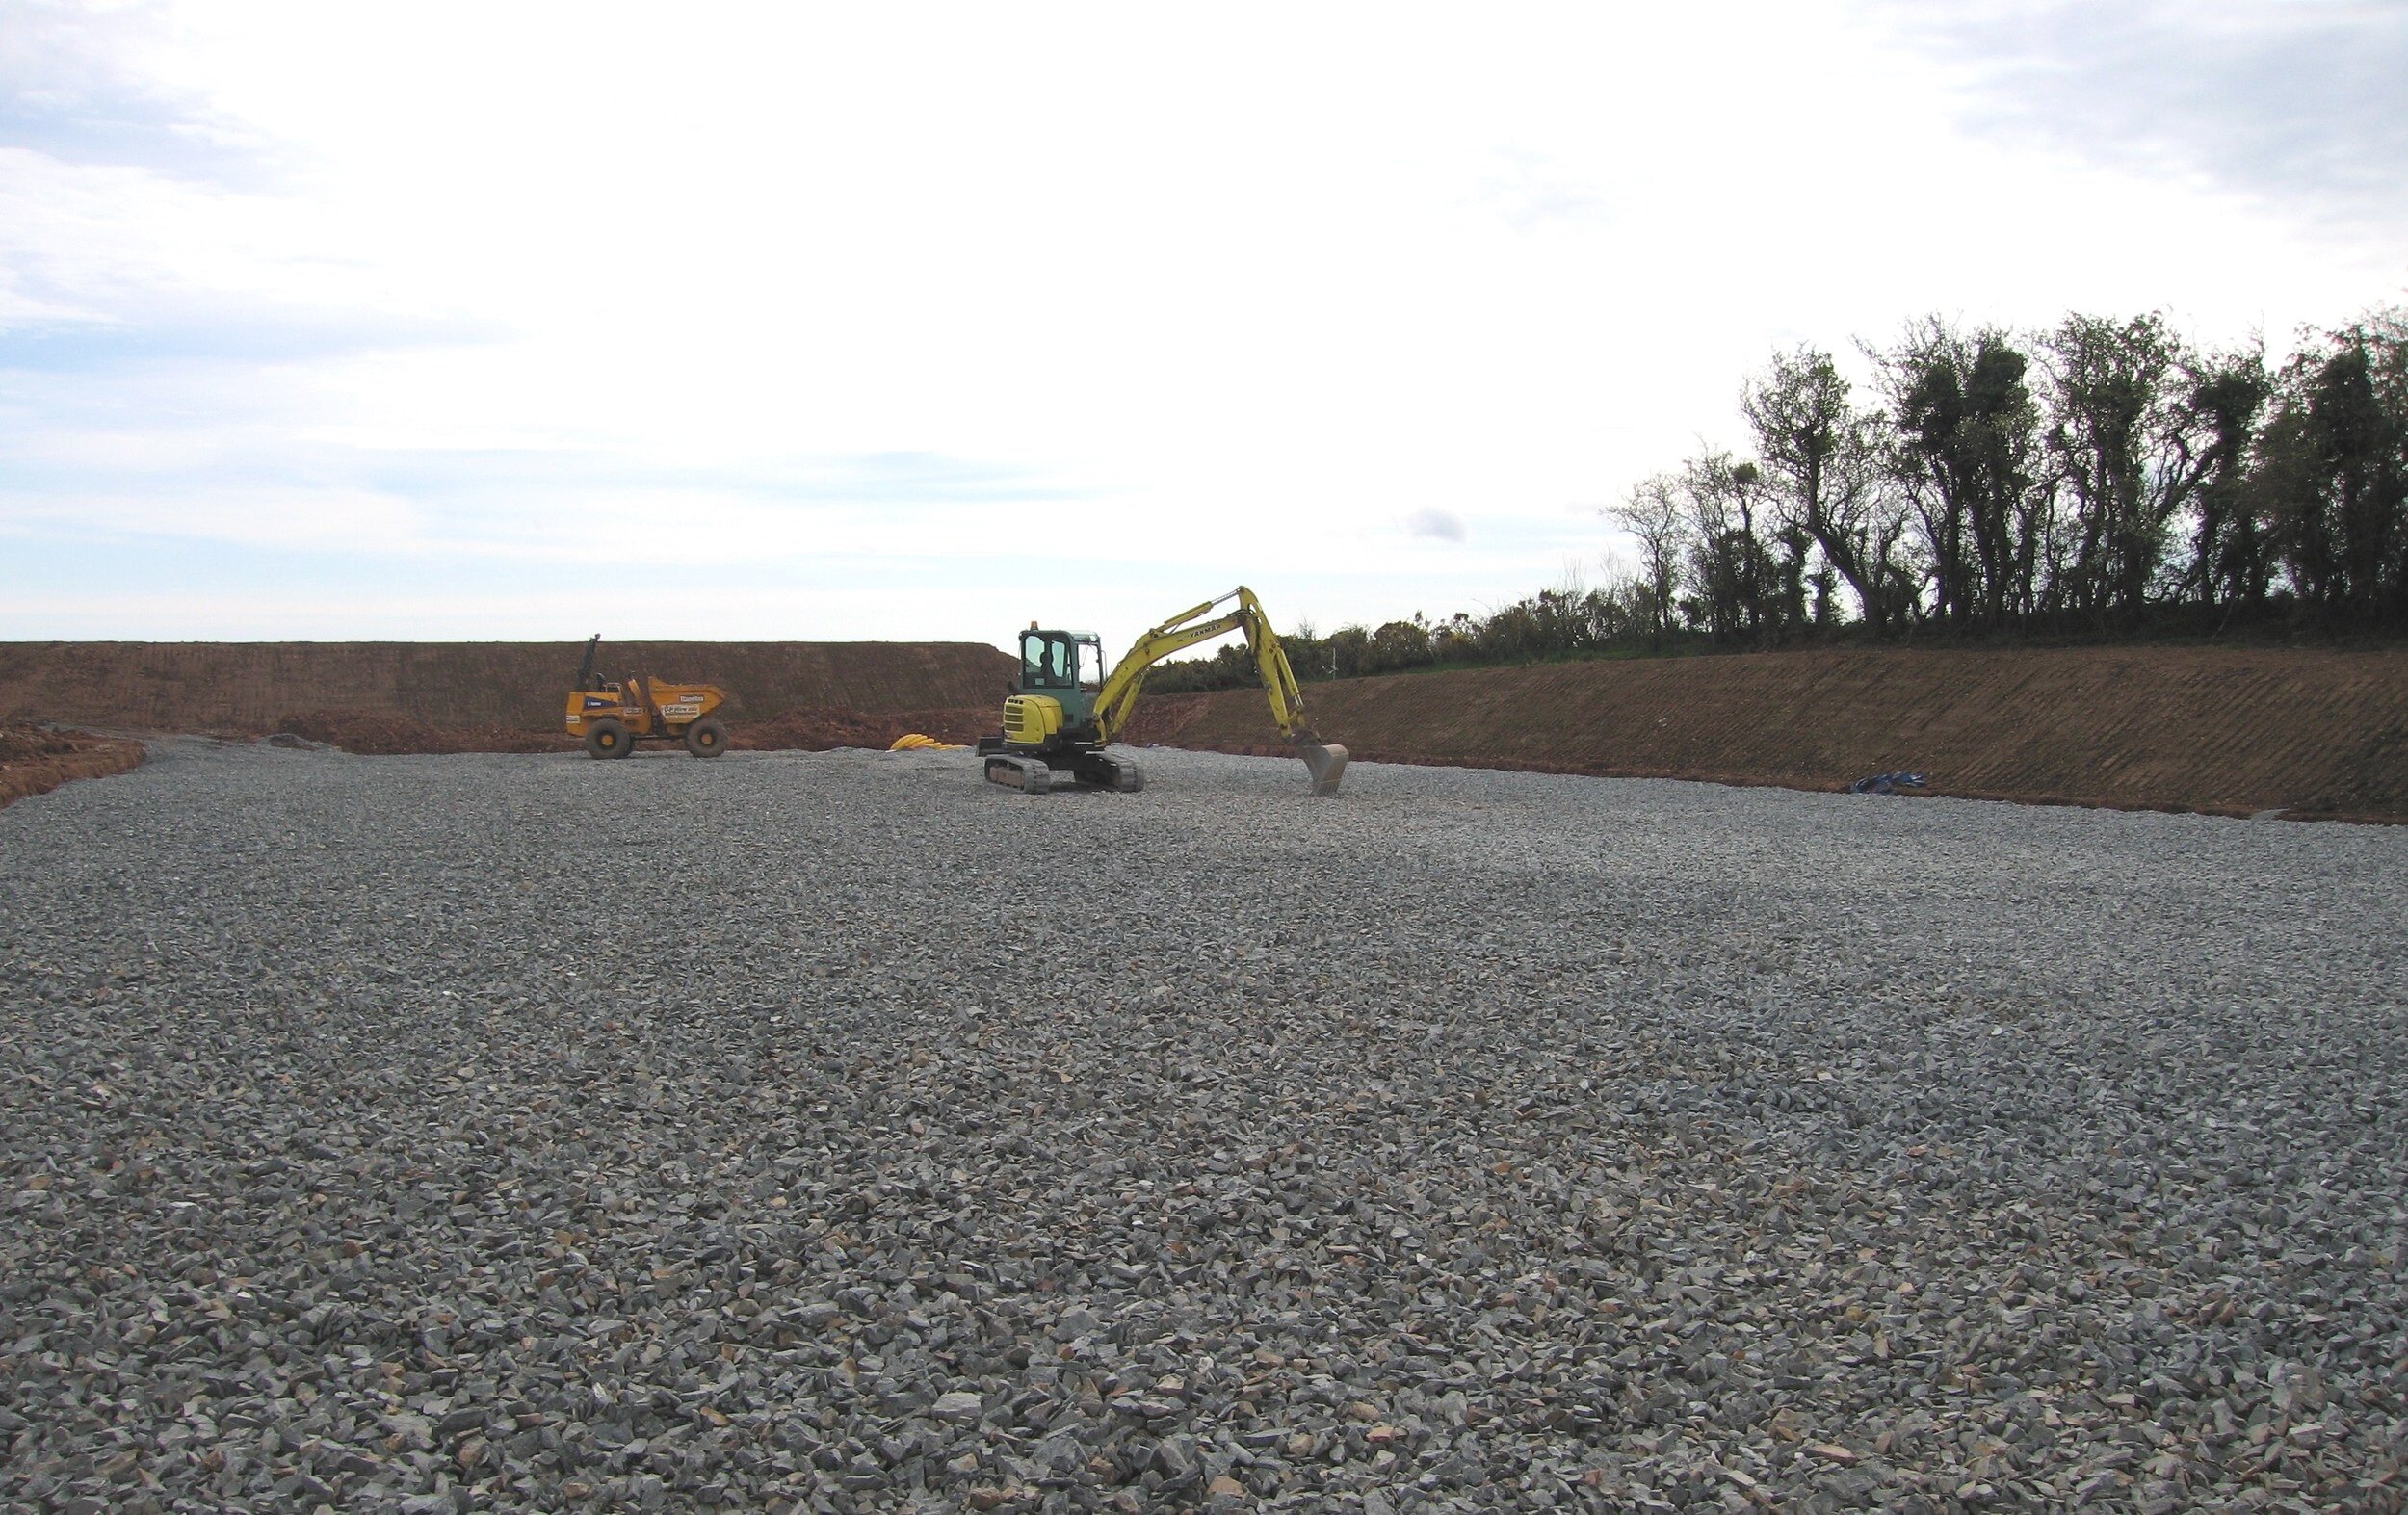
(815, 730)
(2223, 730)
(32, 760)
(508, 687)
(2237, 731)
(369, 733)
(819, 730)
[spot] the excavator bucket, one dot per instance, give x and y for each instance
(1326, 761)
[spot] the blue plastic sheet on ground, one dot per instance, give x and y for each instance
(1888, 783)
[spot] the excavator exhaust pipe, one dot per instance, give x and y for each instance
(1326, 762)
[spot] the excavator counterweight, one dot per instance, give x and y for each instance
(1064, 710)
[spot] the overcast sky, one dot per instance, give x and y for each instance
(920, 322)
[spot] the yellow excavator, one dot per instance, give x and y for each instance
(1064, 710)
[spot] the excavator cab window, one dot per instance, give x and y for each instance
(1060, 660)
(1045, 660)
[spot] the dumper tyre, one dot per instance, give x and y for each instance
(706, 738)
(607, 738)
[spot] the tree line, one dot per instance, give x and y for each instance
(2101, 478)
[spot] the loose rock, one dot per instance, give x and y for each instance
(826, 1131)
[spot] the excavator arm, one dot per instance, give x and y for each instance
(1117, 701)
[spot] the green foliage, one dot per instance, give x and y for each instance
(2334, 475)
(1823, 457)
(2231, 549)
(1550, 624)
(2099, 477)
(1964, 437)
(2130, 458)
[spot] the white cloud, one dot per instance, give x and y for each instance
(1443, 526)
(307, 519)
(2297, 104)
(1183, 295)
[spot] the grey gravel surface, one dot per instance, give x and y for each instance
(837, 1131)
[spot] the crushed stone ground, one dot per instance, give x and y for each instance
(834, 1130)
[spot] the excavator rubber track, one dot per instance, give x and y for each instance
(1086, 770)
(1024, 773)
(1102, 771)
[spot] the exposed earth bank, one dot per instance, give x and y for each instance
(2221, 730)
(33, 759)
(809, 730)
(254, 688)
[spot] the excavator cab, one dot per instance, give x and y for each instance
(1067, 666)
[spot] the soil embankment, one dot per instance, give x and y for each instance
(2223, 730)
(820, 730)
(508, 687)
(373, 735)
(32, 760)
(809, 730)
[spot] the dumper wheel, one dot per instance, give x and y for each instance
(607, 737)
(706, 738)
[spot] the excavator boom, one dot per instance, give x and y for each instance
(1116, 703)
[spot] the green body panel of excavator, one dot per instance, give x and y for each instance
(1067, 668)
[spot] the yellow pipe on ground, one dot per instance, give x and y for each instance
(915, 742)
